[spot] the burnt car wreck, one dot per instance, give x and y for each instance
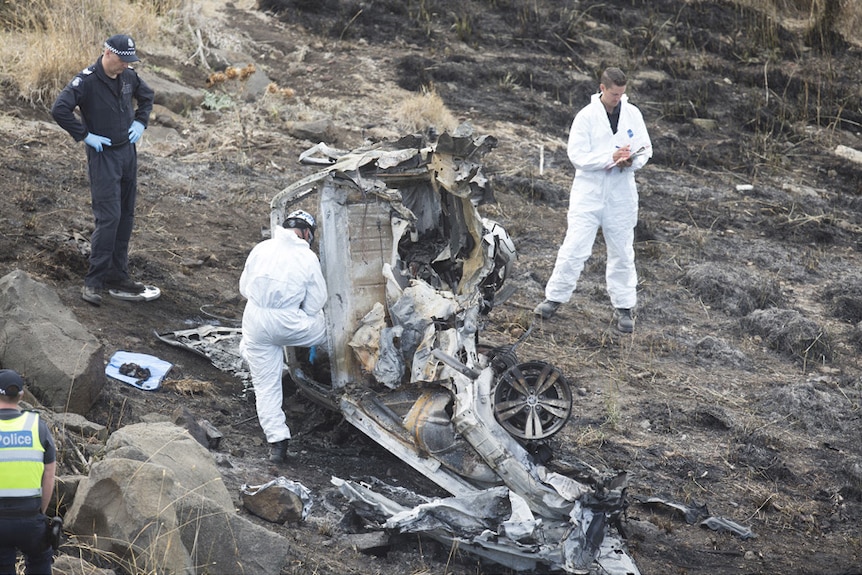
(412, 269)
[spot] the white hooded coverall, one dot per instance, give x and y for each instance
(286, 293)
(603, 196)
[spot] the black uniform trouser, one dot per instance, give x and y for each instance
(113, 191)
(29, 535)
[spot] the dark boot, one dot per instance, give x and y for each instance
(278, 451)
(127, 285)
(92, 295)
(625, 321)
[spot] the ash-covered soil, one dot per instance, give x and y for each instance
(740, 388)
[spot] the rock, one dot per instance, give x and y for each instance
(175, 97)
(214, 436)
(65, 487)
(275, 505)
(170, 446)
(166, 510)
(67, 565)
(128, 508)
(705, 124)
(202, 430)
(279, 501)
(849, 154)
(317, 131)
(225, 542)
(184, 418)
(62, 363)
(373, 543)
(80, 425)
(166, 117)
(256, 85)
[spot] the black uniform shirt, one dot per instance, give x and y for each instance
(106, 104)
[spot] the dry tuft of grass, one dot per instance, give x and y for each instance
(46, 42)
(189, 386)
(420, 112)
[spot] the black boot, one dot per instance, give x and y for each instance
(278, 451)
(625, 321)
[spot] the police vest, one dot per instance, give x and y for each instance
(21, 456)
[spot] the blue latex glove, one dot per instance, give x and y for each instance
(96, 142)
(312, 354)
(135, 131)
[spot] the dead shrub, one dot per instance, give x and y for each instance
(817, 408)
(731, 290)
(846, 301)
(712, 350)
(788, 331)
(420, 112)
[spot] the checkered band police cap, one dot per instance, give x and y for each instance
(123, 46)
(11, 383)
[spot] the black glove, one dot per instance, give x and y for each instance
(55, 532)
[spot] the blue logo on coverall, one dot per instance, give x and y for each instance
(630, 133)
(16, 439)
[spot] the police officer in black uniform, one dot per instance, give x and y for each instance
(27, 465)
(110, 126)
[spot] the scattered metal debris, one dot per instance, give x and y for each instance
(722, 524)
(691, 513)
(498, 525)
(699, 514)
(218, 344)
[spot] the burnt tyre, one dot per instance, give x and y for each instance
(532, 400)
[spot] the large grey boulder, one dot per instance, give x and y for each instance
(62, 363)
(225, 542)
(167, 445)
(174, 96)
(157, 501)
(127, 508)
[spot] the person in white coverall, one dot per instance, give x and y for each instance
(284, 285)
(608, 142)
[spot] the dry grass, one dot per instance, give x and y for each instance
(848, 22)
(189, 386)
(45, 42)
(417, 113)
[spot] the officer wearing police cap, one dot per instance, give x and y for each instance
(27, 465)
(110, 126)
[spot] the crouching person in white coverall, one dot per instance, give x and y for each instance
(286, 293)
(608, 142)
